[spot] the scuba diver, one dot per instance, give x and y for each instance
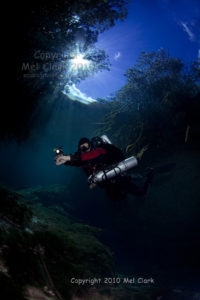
(105, 166)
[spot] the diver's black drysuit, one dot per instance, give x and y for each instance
(101, 157)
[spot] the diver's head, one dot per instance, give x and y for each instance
(84, 145)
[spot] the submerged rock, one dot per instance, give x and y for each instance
(43, 248)
(12, 210)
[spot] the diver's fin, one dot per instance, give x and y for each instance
(165, 168)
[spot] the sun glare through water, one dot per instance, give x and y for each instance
(79, 62)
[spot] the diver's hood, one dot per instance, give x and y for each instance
(83, 141)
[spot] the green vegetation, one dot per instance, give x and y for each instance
(60, 30)
(157, 106)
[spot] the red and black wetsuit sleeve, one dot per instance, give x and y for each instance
(75, 160)
(106, 155)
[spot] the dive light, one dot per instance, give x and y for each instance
(58, 150)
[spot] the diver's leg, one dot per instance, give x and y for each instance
(138, 190)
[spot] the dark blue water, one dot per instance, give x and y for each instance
(156, 235)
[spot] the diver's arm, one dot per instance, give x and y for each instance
(69, 160)
(74, 160)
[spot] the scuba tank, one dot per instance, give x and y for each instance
(112, 170)
(98, 141)
(105, 139)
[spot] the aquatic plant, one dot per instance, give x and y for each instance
(155, 105)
